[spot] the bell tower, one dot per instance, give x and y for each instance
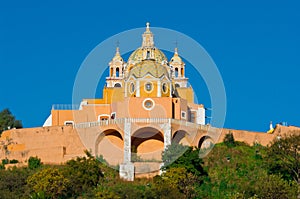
(178, 70)
(148, 44)
(116, 70)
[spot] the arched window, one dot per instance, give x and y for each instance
(117, 72)
(117, 85)
(103, 117)
(111, 72)
(176, 72)
(148, 87)
(69, 123)
(132, 88)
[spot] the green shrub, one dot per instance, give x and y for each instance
(34, 162)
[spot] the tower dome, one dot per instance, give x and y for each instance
(176, 58)
(147, 50)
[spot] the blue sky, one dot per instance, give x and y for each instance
(255, 45)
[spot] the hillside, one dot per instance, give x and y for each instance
(231, 170)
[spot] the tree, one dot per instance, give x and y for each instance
(13, 182)
(177, 155)
(49, 182)
(178, 179)
(229, 139)
(83, 173)
(7, 120)
(273, 186)
(284, 157)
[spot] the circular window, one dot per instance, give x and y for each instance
(148, 86)
(148, 104)
(132, 88)
(165, 87)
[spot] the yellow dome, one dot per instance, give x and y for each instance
(176, 57)
(137, 56)
(148, 67)
(117, 56)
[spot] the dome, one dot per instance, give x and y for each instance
(176, 58)
(148, 67)
(117, 56)
(137, 56)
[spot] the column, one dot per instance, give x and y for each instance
(125, 85)
(127, 168)
(167, 134)
(200, 116)
(138, 88)
(158, 88)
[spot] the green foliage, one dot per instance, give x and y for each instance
(229, 140)
(284, 157)
(34, 162)
(7, 120)
(13, 161)
(177, 156)
(50, 182)
(273, 186)
(172, 153)
(241, 171)
(13, 183)
(83, 174)
(5, 161)
(101, 160)
(180, 179)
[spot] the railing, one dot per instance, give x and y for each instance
(65, 106)
(147, 121)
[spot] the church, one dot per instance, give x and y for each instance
(147, 104)
(144, 97)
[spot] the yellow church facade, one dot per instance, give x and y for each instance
(149, 93)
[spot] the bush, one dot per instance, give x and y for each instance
(229, 140)
(50, 182)
(13, 183)
(5, 161)
(34, 162)
(13, 161)
(84, 175)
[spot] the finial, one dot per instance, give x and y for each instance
(117, 47)
(176, 47)
(147, 26)
(176, 51)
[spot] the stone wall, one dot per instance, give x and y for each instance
(52, 144)
(57, 144)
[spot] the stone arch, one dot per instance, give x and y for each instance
(205, 142)
(109, 144)
(179, 137)
(147, 143)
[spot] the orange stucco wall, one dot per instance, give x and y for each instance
(60, 143)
